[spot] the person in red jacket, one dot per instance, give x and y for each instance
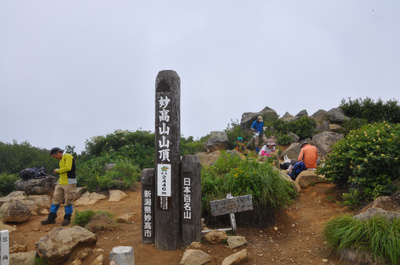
(308, 154)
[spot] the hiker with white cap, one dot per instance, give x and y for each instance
(258, 128)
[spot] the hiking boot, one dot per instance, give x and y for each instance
(67, 220)
(51, 219)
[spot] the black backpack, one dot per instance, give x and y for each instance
(33, 173)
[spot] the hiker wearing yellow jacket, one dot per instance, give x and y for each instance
(65, 188)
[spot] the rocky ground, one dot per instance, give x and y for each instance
(294, 239)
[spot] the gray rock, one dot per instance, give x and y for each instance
(301, 114)
(236, 258)
(324, 126)
(336, 115)
(236, 241)
(194, 257)
(287, 117)
(249, 117)
(14, 212)
(324, 142)
(117, 195)
(320, 115)
(23, 258)
(217, 141)
(388, 206)
(59, 243)
(43, 186)
(215, 236)
(292, 151)
(307, 178)
(294, 137)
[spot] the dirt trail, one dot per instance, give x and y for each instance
(294, 239)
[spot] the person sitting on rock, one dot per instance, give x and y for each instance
(241, 147)
(268, 148)
(308, 155)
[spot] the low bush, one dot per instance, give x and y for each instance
(284, 139)
(94, 176)
(372, 111)
(229, 174)
(366, 161)
(16, 157)
(7, 183)
(378, 236)
(83, 218)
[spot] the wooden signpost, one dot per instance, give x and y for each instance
(171, 192)
(167, 160)
(231, 205)
(190, 199)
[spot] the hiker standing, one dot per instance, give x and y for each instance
(258, 128)
(66, 187)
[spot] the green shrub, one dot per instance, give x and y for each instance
(229, 174)
(351, 125)
(304, 126)
(378, 111)
(121, 176)
(16, 157)
(83, 218)
(137, 146)
(93, 175)
(377, 236)
(7, 183)
(191, 147)
(284, 139)
(368, 160)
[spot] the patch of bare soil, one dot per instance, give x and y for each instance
(294, 239)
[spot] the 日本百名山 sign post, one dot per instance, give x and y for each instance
(167, 161)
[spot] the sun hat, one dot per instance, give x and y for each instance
(303, 143)
(271, 142)
(260, 118)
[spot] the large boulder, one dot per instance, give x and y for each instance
(33, 202)
(301, 114)
(307, 178)
(292, 152)
(287, 117)
(320, 115)
(336, 115)
(324, 142)
(217, 141)
(324, 126)
(388, 206)
(249, 117)
(59, 243)
(43, 186)
(14, 212)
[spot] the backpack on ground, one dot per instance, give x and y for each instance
(33, 173)
(296, 170)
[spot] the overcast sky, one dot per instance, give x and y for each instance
(71, 70)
